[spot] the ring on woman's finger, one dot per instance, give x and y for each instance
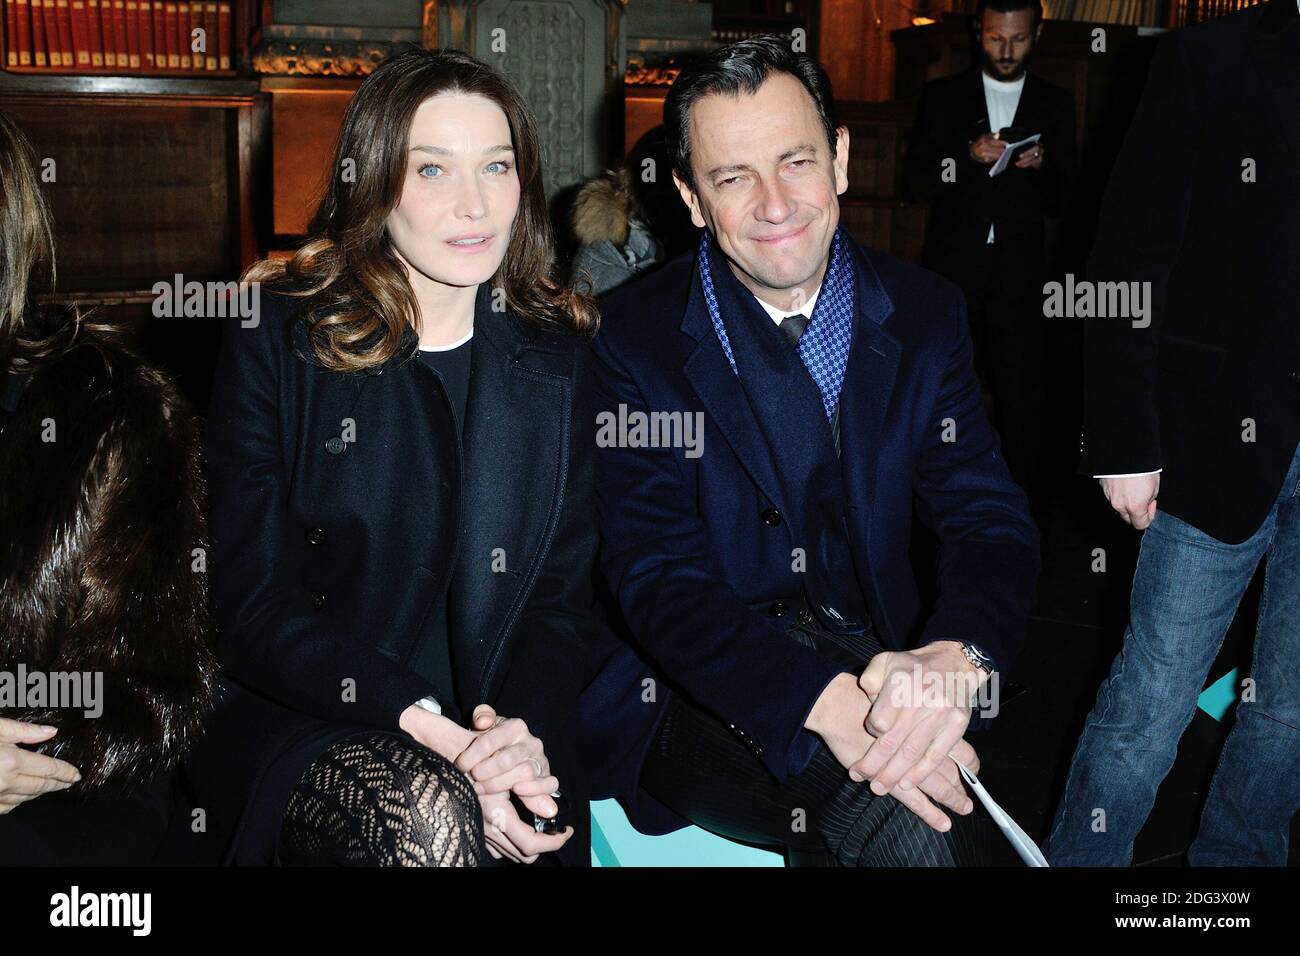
(537, 766)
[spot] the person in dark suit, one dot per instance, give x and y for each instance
(1192, 426)
(756, 484)
(401, 486)
(986, 233)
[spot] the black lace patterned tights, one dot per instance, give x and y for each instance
(379, 800)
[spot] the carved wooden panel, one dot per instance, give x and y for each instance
(557, 52)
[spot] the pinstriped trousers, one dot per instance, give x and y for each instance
(699, 768)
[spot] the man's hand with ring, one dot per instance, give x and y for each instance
(1032, 158)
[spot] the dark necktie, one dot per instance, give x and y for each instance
(792, 326)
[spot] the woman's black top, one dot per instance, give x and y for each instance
(432, 659)
(452, 366)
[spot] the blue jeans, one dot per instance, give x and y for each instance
(1185, 592)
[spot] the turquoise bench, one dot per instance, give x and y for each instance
(615, 843)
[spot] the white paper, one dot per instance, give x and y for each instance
(1005, 159)
(1017, 837)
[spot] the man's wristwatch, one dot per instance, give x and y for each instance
(977, 657)
(430, 704)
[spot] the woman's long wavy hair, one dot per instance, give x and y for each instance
(361, 299)
(30, 334)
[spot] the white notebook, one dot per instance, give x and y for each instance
(1005, 159)
(1018, 838)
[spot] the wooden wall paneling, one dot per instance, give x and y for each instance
(643, 110)
(250, 158)
(306, 116)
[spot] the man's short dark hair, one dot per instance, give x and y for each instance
(737, 68)
(1009, 6)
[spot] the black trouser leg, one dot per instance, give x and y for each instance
(1010, 353)
(703, 771)
(700, 769)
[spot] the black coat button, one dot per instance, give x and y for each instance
(778, 609)
(771, 517)
(317, 598)
(335, 445)
(1296, 375)
(316, 536)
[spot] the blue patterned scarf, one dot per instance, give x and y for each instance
(824, 345)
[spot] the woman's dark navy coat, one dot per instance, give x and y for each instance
(342, 512)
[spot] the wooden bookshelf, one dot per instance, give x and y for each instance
(153, 85)
(148, 173)
(245, 18)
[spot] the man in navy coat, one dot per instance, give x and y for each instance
(772, 408)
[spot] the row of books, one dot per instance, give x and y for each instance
(1133, 12)
(76, 36)
(1195, 11)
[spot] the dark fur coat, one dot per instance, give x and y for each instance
(98, 564)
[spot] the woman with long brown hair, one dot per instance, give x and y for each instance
(400, 474)
(105, 664)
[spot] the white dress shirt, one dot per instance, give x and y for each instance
(778, 314)
(1003, 99)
